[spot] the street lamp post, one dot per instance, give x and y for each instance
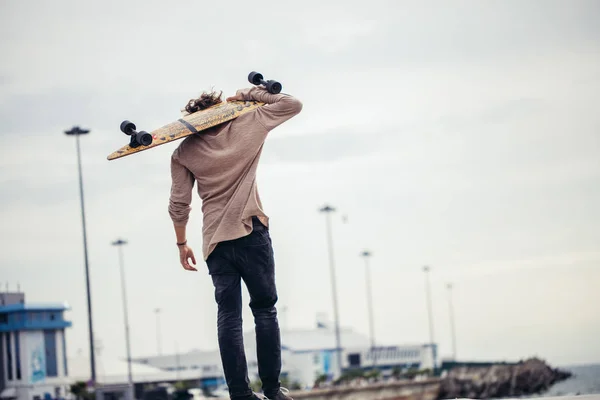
(429, 310)
(120, 243)
(177, 361)
(428, 296)
(284, 314)
(367, 255)
(76, 131)
(328, 210)
(157, 311)
(452, 327)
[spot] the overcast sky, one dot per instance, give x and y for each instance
(463, 135)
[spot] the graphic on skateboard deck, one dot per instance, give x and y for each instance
(191, 123)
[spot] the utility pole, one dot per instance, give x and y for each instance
(452, 327)
(366, 255)
(328, 210)
(120, 243)
(76, 131)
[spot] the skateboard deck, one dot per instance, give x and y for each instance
(183, 127)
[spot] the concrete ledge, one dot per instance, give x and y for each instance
(427, 389)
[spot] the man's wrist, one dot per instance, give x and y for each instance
(179, 244)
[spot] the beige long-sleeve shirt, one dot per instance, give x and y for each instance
(222, 161)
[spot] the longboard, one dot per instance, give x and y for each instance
(188, 125)
(191, 123)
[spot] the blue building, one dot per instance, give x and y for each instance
(33, 362)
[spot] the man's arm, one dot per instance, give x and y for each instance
(182, 183)
(278, 108)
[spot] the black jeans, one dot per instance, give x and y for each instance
(249, 258)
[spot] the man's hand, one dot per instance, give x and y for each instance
(186, 254)
(237, 97)
(241, 95)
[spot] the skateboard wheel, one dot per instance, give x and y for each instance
(143, 138)
(273, 87)
(255, 78)
(127, 127)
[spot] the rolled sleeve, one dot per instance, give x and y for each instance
(182, 184)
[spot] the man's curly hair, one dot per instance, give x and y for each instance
(203, 102)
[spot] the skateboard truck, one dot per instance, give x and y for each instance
(142, 138)
(272, 86)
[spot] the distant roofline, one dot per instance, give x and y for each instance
(35, 307)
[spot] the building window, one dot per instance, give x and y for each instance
(354, 360)
(9, 362)
(18, 354)
(3, 319)
(50, 344)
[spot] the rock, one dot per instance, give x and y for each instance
(528, 377)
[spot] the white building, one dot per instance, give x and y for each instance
(306, 355)
(33, 364)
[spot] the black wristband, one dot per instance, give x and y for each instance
(181, 244)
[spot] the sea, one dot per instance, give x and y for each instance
(585, 380)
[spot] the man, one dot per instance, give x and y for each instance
(236, 241)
